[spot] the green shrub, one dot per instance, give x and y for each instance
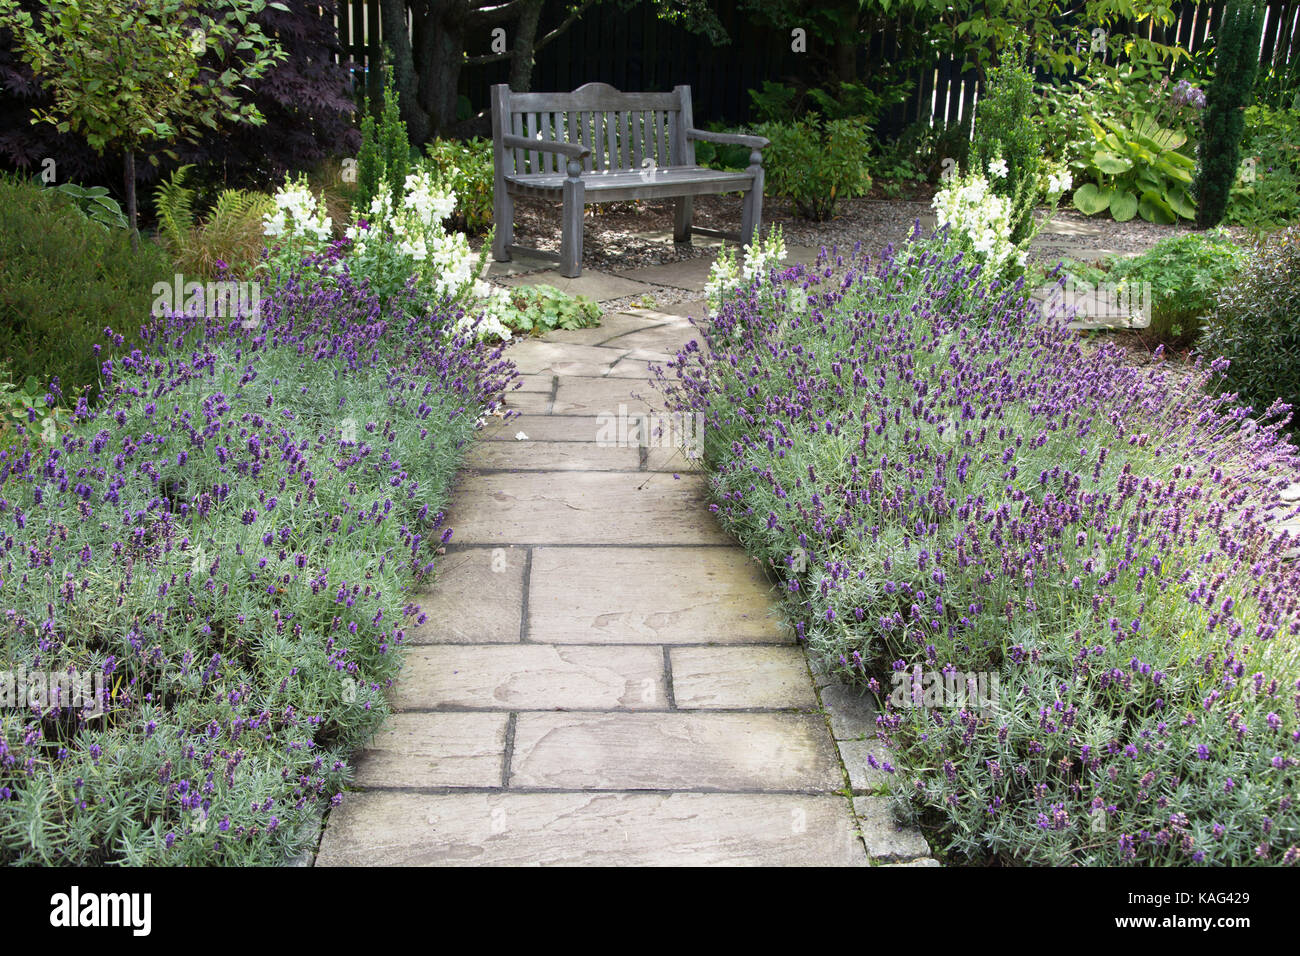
(1255, 324)
(1236, 63)
(1004, 128)
(781, 103)
(1185, 273)
(385, 154)
(63, 279)
(815, 162)
(466, 169)
(1266, 195)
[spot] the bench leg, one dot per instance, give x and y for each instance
(571, 228)
(503, 216)
(751, 220)
(682, 218)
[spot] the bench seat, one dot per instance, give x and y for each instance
(598, 144)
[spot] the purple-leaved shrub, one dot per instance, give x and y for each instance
(229, 538)
(941, 476)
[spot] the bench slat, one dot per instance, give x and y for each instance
(517, 128)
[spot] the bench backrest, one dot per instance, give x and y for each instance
(624, 130)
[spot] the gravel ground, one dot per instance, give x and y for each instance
(630, 235)
(615, 235)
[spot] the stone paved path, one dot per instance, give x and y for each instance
(600, 679)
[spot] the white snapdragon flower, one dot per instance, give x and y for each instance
(998, 168)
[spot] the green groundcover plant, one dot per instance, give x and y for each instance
(1184, 274)
(222, 553)
(1062, 575)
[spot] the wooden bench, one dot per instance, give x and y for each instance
(598, 144)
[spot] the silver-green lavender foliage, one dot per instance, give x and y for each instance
(942, 478)
(230, 539)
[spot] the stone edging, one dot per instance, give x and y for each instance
(851, 715)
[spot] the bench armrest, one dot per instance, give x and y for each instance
(729, 139)
(571, 150)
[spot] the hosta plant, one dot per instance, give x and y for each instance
(1135, 168)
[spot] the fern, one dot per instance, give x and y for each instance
(231, 232)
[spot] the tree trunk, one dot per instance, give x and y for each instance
(521, 52)
(845, 52)
(128, 177)
(405, 79)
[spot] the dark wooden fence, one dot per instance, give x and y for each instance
(634, 50)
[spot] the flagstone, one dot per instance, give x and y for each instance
(541, 507)
(673, 751)
(590, 829)
(597, 396)
(721, 678)
(665, 340)
(436, 750)
(575, 428)
(455, 610)
(649, 595)
(552, 456)
(532, 677)
(535, 356)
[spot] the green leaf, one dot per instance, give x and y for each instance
(1090, 200)
(1111, 164)
(1153, 208)
(1181, 203)
(1124, 205)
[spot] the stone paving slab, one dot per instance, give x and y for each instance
(535, 356)
(669, 459)
(590, 829)
(436, 750)
(603, 396)
(610, 326)
(519, 262)
(864, 778)
(663, 340)
(552, 456)
(745, 678)
(455, 610)
(592, 283)
(631, 368)
(570, 507)
(566, 428)
(852, 711)
(532, 677)
(673, 751)
(883, 839)
(528, 403)
(649, 596)
(689, 274)
(535, 383)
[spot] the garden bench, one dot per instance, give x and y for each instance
(598, 144)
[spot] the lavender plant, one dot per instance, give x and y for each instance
(229, 538)
(941, 476)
